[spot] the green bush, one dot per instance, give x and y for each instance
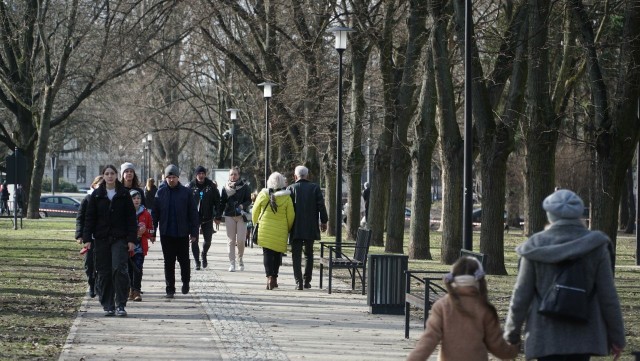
(63, 185)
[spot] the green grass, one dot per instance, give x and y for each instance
(42, 285)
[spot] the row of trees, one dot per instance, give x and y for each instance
(548, 76)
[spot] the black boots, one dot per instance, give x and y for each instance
(204, 260)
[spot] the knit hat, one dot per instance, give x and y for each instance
(171, 170)
(135, 193)
(201, 169)
(126, 166)
(563, 204)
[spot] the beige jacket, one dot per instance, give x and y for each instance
(463, 337)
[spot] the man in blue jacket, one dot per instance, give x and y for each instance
(175, 210)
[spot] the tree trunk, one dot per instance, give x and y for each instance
(330, 191)
(426, 136)
(405, 109)
(355, 159)
(451, 144)
(631, 204)
(540, 129)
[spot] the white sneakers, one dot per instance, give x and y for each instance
(241, 264)
(232, 267)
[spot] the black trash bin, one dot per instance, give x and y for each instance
(386, 291)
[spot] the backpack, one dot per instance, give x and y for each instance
(567, 298)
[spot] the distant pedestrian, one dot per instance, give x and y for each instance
(234, 203)
(565, 239)
(207, 197)
(111, 230)
(130, 180)
(176, 216)
(150, 193)
(4, 198)
(89, 266)
(366, 193)
(137, 256)
(18, 197)
(464, 322)
(274, 214)
(310, 211)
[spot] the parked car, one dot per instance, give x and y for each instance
(58, 206)
(476, 216)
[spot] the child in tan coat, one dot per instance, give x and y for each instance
(464, 322)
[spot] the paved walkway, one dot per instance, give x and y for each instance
(231, 316)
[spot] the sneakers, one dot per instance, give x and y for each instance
(136, 296)
(307, 284)
(204, 260)
(185, 289)
(241, 264)
(232, 267)
(169, 295)
(120, 311)
(197, 266)
(109, 313)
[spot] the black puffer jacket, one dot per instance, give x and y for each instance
(110, 220)
(80, 217)
(229, 203)
(207, 199)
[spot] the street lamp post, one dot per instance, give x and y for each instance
(468, 132)
(266, 87)
(233, 115)
(145, 149)
(148, 165)
(340, 34)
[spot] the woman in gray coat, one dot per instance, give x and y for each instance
(566, 238)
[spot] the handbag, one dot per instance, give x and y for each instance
(254, 232)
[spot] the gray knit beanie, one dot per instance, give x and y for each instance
(563, 204)
(171, 170)
(125, 166)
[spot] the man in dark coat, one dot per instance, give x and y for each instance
(207, 198)
(308, 204)
(175, 210)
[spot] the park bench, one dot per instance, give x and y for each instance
(430, 289)
(337, 258)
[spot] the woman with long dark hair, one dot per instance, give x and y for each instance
(111, 230)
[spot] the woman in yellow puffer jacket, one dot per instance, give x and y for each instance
(273, 211)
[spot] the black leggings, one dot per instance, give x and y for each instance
(272, 261)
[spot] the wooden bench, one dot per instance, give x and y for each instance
(428, 292)
(338, 259)
(477, 255)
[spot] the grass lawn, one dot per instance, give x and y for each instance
(42, 285)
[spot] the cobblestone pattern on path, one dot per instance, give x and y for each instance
(241, 337)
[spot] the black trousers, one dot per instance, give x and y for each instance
(272, 261)
(175, 248)
(296, 257)
(112, 272)
(207, 233)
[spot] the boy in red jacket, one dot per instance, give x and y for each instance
(136, 261)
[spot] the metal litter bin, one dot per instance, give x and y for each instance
(386, 291)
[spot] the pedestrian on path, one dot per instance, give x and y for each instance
(541, 256)
(130, 180)
(309, 207)
(111, 229)
(176, 216)
(4, 198)
(234, 203)
(464, 322)
(207, 197)
(274, 215)
(89, 266)
(150, 194)
(145, 232)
